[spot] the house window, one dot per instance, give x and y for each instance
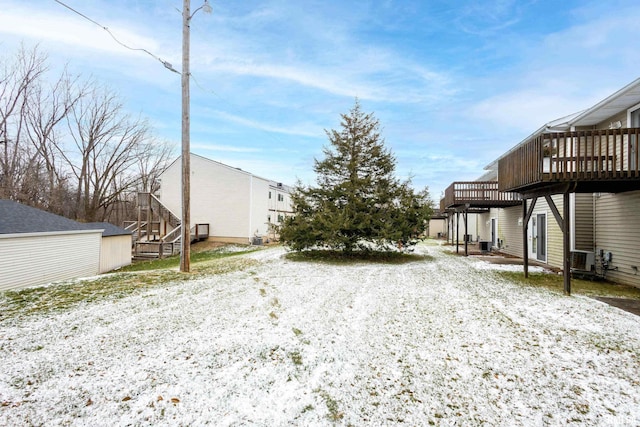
(268, 218)
(280, 198)
(269, 194)
(280, 218)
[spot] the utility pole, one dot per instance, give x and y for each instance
(185, 253)
(185, 222)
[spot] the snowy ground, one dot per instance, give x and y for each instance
(441, 342)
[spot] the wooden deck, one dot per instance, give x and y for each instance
(474, 195)
(170, 244)
(580, 161)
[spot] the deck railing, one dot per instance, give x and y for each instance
(592, 155)
(478, 194)
(170, 244)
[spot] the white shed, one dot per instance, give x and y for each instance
(115, 249)
(37, 247)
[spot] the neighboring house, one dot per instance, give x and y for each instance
(437, 225)
(115, 248)
(280, 207)
(587, 166)
(38, 247)
(238, 206)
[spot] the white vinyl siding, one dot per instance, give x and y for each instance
(472, 226)
(40, 258)
(617, 224)
(437, 226)
(583, 221)
(259, 203)
(484, 226)
(510, 230)
(115, 252)
(554, 234)
(233, 202)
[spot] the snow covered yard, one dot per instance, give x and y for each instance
(440, 342)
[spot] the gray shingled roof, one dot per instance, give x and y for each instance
(109, 229)
(19, 218)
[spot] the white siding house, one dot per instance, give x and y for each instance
(594, 156)
(37, 247)
(234, 203)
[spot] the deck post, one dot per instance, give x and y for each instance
(525, 245)
(457, 231)
(566, 245)
(452, 234)
(138, 229)
(149, 219)
(466, 243)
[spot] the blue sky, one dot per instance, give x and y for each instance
(454, 84)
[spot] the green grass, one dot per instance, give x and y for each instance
(127, 281)
(342, 258)
(174, 261)
(590, 288)
(335, 414)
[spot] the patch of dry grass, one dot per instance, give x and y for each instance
(61, 296)
(590, 288)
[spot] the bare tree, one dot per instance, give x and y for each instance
(46, 111)
(152, 159)
(69, 146)
(106, 141)
(17, 160)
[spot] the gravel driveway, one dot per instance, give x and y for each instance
(437, 342)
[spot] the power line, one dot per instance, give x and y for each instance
(166, 64)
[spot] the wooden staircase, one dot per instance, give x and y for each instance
(160, 234)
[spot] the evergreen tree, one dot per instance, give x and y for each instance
(358, 203)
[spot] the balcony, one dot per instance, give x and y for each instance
(478, 195)
(580, 161)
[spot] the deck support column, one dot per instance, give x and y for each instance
(457, 231)
(525, 229)
(566, 245)
(466, 243)
(138, 228)
(564, 224)
(525, 243)
(149, 219)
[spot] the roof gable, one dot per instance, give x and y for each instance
(614, 104)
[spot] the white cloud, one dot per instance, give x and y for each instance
(310, 130)
(489, 17)
(224, 148)
(568, 71)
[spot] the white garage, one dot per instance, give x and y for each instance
(37, 247)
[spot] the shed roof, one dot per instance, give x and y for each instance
(109, 229)
(18, 218)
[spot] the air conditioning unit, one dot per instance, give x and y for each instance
(582, 260)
